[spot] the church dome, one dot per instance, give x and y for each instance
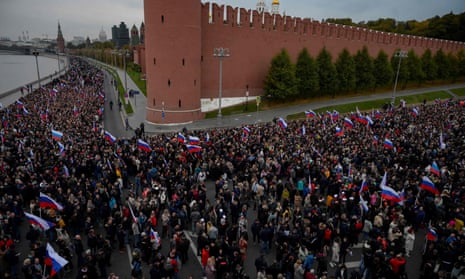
(275, 2)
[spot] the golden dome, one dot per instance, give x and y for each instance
(275, 2)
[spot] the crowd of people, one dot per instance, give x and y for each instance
(314, 185)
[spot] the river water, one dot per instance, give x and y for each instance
(18, 70)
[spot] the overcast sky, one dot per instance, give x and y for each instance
(86, 17)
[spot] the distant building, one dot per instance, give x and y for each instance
(102, 36)
(60, 41)
(275, 7)
(78, 40)
(135, 40)
(261, 6)
(142, 33)
(120, 35)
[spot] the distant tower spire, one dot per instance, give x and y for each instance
(60, 40)
(275, 7)
(261, 6)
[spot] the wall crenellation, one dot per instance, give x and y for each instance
(240, 17)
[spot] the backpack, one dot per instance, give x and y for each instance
(136, 268)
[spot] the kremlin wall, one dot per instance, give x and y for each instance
(183, 74)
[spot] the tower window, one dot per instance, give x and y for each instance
(162, 19)
(195, 82)
(201, 58)
(183, 61)
(154, 61)
(169, 83)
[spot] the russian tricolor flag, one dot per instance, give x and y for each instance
(47, 202)
(390, 194)
(194, 140)
(364, 186)
(43, 116)
(57, 261)
(142, 145)
(109, 137)
(19, 104)
(369, 121)
(154, 237)
(181, 138)
(75, 111)
(339, 132)
(62, 148)
(335, 115)
(362, 119)
(428, 185)
(388, 144)
(348, 123)
(434, 169)
(431, 235)
(364, 205)
(415, 112)
(310, 114)
(193, 148)
(378, 114)
(57, 135)
(246, 130)
(282, 123)
(34, 220)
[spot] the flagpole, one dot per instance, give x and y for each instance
(43, 275)
(418, 196)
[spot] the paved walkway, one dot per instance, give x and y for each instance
(139, 104)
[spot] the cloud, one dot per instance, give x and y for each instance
(87, 17)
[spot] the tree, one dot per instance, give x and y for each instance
(280, 82)
(306, 72)
(461, 61)
(345, 68)
(382, 71)
(364, 70)
(442, 63)
(429, 66)
(453, 66)
(414, 67)
(327, 74)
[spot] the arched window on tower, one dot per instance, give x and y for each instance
(162, 19)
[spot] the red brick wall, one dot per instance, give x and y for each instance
(252, 46)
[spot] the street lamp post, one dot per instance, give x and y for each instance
(247, 97)
(220, 53)
(58, 59)
(400, 54)
(125, 75)
(36, 53)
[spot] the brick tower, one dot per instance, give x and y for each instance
(173, 56)
(60, 41)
